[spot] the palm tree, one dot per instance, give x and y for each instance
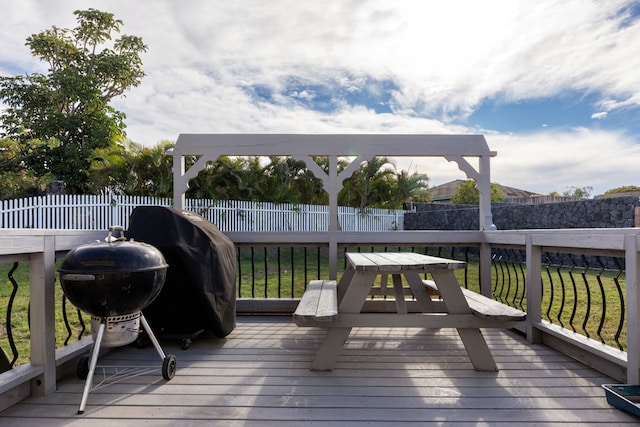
(409, 188)
(369, 185)
(130, 168)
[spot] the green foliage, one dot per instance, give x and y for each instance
(369, 185)
(281, 179)
(624, 189)
(226, 178)
(377, 184)
(15, 180)
(578, 193)
(411, 188)
(468, 194)
(70, 104)
(132, 169)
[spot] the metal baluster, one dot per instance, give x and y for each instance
(604, 299)
(253, 272)
(266, 271)
(292, 274)
(14, 291)
(574, 309)
(494, 264)
(586, 284)
(517, 279)
(65, 319)
(508, 261)
(622, 303)
(305, 268)
(83, 327)
(239, 263)
(523, 276)
(562, 291)
(500, 264)
(318, 261)
(279, 274)
(466, 268)
(548, 270)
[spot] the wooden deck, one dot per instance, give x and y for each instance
(259, 376)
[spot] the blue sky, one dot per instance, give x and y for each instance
(552, 84)
(558, 112)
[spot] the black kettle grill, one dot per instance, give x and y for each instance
(113, 281)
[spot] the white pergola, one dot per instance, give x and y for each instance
(356, 148)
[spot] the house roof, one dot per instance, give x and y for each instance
(447, 190)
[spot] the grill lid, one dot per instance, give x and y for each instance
(113, 278)
(114, 255)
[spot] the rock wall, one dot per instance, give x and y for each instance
(592, 213)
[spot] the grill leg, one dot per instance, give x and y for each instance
(95, 351)
(152, 337)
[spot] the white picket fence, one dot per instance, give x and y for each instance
(98, 212)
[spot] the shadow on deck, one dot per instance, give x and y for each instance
(259, 376)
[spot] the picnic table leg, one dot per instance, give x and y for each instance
(420, 292)
(329, 351)
(354, 294)
(343, 284)
(401, 304)
(472, 338)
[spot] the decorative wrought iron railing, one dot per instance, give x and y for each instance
(580, 292)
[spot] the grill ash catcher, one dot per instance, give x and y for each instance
(113, 281)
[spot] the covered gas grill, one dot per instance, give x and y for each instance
(114, 281)
(199, 293)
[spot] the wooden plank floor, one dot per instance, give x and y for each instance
(259, 376)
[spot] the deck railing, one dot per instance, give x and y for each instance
(570, 282)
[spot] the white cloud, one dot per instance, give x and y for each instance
(549, 161)
(599, 115)
(445, 58)
(555, 161)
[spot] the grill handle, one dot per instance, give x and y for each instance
(74, 277)
(110, 238)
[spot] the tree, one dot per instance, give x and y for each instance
(132, 169)
(578, 193)
(15, 180)
(282, 177)
(468, 194)
(370, 185)
(409, 188)
(225, 179)
(68, 108)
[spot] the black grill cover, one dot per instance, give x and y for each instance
(199, 292)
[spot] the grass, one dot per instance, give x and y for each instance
(284, 272)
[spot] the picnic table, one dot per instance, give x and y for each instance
(339, 306)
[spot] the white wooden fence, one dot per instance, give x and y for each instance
(98, 212)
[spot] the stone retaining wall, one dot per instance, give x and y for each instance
(592, 213)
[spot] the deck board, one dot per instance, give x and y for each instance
(259, 375)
